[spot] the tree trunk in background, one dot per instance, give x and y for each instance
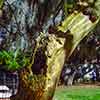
(42, 87)
(70, 79)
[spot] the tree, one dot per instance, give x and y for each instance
(54, 43)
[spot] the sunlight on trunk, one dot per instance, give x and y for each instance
(42, 87)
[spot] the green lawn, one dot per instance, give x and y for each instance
(77, 93)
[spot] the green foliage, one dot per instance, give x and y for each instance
(1, 3)
(13, 60)
(68, 5)
(97, 8)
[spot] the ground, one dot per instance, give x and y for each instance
(88, 92)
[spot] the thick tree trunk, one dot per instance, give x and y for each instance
(42, 87)
(43, 90)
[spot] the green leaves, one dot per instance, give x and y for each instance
(68, 5)
(13, 61)
(97, 8)
(1, 3)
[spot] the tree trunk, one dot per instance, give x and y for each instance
(70, 79)
(59, 47)
(44, 88)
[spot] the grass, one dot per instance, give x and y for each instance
(77, 93)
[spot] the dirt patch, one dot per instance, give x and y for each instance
(97, 85)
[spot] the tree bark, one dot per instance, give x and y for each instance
(59, 48)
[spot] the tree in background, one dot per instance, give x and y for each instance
(40, 35)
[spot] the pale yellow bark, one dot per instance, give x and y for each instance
(58, 48)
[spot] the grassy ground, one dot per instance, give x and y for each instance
(78, 93)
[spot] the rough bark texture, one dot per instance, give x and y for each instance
(43, 90)
(42, 87)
